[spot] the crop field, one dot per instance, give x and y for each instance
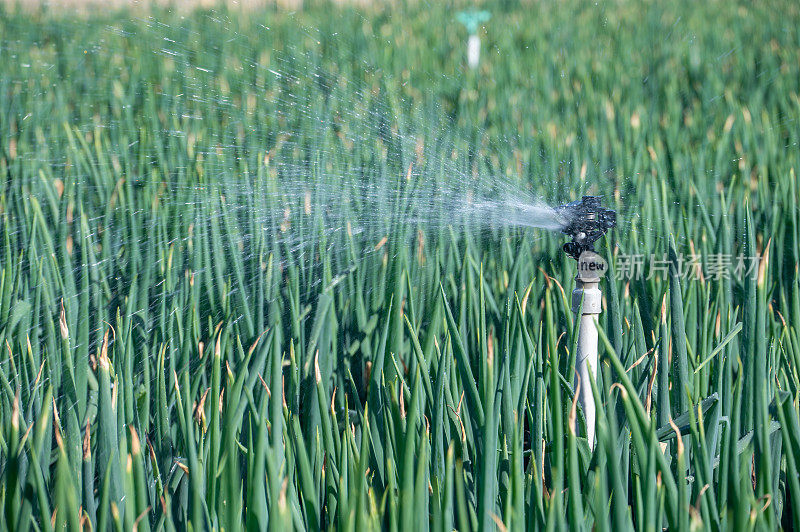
(271, 269)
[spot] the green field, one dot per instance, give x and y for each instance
(239, 288)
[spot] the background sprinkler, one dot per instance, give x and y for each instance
(472, 21)
(586, 222)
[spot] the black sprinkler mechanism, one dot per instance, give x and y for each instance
(586, 222)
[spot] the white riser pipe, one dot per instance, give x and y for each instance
(587, 291)
(473, 51)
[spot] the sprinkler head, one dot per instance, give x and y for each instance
(473, 19)
(586, 222)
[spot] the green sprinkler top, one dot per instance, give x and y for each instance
(473, 19)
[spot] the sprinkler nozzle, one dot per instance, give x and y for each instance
(473, 19)
(586, 221)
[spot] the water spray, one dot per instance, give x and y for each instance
(586, 220)
(472, 21)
